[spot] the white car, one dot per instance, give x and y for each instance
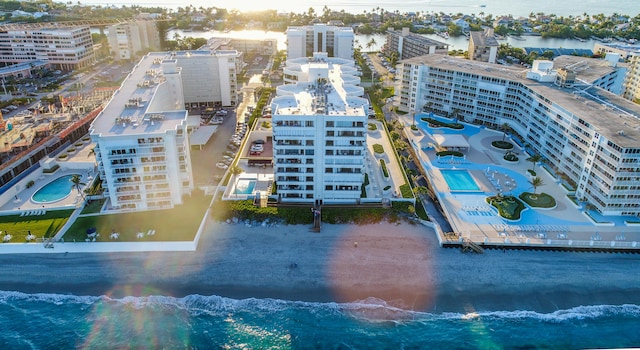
(221, 165)
(227, 158)
(257, 148)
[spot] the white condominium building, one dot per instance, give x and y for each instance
(209, 78)
(141, 136)
(133, 39)
(335, 41)
(585, 132)
(63, 48)
(319, 132)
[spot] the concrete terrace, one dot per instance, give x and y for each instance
(471, 217)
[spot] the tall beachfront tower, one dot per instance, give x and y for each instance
(319, 132)
(141, 136)
(585, 132)
(335, 41)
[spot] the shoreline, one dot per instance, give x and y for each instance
(401, 264)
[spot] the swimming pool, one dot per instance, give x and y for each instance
(245, 186)
(460, 180)
(54, 191)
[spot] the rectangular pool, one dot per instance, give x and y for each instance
(245, 186)
(460, 181)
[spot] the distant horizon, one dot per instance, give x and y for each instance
(493, 7)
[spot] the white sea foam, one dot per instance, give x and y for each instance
(376, 308)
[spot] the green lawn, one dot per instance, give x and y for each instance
(177, 224)
(540, 200)
(509, 207)
(41, 226)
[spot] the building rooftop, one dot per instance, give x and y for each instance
(587, 69)
(417, 38)
(483, 38)
(144, 103)
(612, 116)
(327, 93)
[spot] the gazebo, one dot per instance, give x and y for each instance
(453, 142)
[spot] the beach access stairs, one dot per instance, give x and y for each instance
(470, 246)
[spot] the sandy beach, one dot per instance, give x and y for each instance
(401, 264)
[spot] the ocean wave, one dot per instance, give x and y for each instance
(6, 297)
(371, 309)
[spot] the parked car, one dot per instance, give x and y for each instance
(221, 165)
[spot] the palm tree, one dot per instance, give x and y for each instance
(505, 127)
(235, 170)
(77, 184)
(455, 114)
(534, 159)
(536, 182)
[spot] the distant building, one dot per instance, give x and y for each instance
(483, 46)
(22, 70)
(409, 45)
(625, 50)
(142, 145)
(131, 40)
(305, 41)
(319, 132)
(264, 47)
(66, 48)
(589, 134)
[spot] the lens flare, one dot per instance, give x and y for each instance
(382, 262)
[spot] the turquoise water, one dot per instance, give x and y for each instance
(245, 186)
(459, 180)
(54, 191)
(54, 321)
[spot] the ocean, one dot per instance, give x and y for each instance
(495, 7)
(54, 321)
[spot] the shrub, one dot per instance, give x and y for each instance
(78, 144)
(533, 173)
(30, 183)
(509, 207)
(414, 127)
(437, 123)
(62, 156)
(372, 127)
(502, 144)
(377, 148)
(51, 170)
(450, 153)
(385, 172)
(387, 188)
(71, 149)
(540, 200)
(510, 157)
(406, 192)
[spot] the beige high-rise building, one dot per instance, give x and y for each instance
(631, 85)
(483, 46)
(133, 39)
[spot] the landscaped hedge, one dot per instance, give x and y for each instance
(436, 122)
(51, 170)
(502, 144)
(385, 172)
(450, 153)
(372, 127)
(377, 148)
